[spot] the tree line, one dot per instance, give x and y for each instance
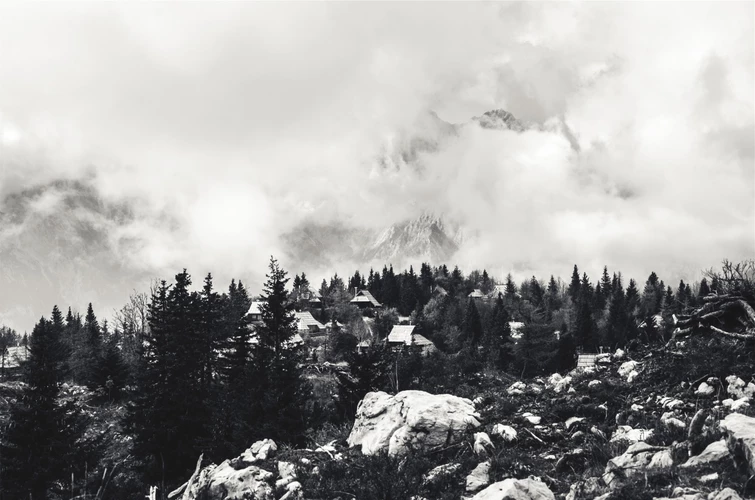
(186, 373)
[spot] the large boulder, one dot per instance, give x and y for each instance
(229, 482)
(636, 460)
(713, 453)
(740, 437)
(516, 489)
(410, 419)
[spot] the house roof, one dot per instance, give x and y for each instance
(254, 308)
(401, 334)
(419, 340)
(305, 319)
(364, 296)
(477, 294)
(440, 290)
(498, 289)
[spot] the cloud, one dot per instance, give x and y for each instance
(223, 125)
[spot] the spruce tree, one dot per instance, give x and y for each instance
(574, 285)
(472, 328)
(585, 327)
(39, 442)
(279, 385)
(704, 288)
(498, 339)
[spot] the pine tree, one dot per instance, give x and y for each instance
(472, 328)
(498, 342)
(37, 447)
(510, 288)
(112, 374)
(574, 285)
(279, 383)
(584, 327)
(91, 350)
(552, 299)
(618, 327)
(704, 289)
(536, 293)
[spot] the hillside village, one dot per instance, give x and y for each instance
(432, 386)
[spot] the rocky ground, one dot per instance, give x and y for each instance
(673, 422)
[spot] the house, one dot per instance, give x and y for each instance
(311, 297)
(497, 290)
(364, 299)
(402, 336)
(476, 294)
(439, 291)
(305, 322)
(254, 312)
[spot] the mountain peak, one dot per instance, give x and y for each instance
(500, 119)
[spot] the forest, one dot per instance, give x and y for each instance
(107, 409)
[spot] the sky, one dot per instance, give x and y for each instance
(222, 125)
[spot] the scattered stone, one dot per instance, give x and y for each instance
(589, 488)
(626, 432)
(634, 461)
(709, 478)
(558, 383)
(231, 479)
(479, 477)
(577, 435)
(533, 419)
(482, 443)
(632, 376)
(737, 387)
(516, 489)
(661, 460)
(570, 422)
(725, 494)
(507, 432)
(740, 437)
(516, 388)
(705, 390)
(434, 475)
(741, 403)
(258, 452)
(627, 368)
(669, 420)
(670, 403)
(619, 354)
(410, 419)
(713, 453)
(636, 407)
(594, 383)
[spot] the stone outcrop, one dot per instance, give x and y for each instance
(410, 419)
(516, 489)
(713, 453)
(740, 438)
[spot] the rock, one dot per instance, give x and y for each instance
(709, 478)
(697, 423)
(669, 420)
(594, 383)
(507, 432)
(516, 388)
(597, 432)
(727, 403)
(713, 453)
(570, 422)
(479, 477)
(661, 460)
(627, 368)
(626, 432)
(737, 387)
(590, 488)
(636, 407)
(741, 403)
(577, 435)
(619, 354)
(740, 438)
(287, 473)
(482, 443)
(410, 419)
(434, 475)
(634, 461)
(632, 376)
(725, 494)
(558, 383)
(670, 403)
(225, 481)
(533, 419)
(259, 451)
(705, 390)
(516, 489)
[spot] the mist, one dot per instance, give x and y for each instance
(214, 128)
